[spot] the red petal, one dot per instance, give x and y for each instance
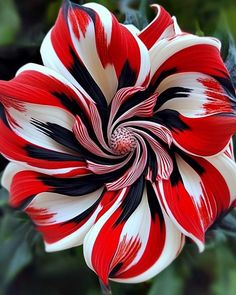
(197, 196)
(161, 27)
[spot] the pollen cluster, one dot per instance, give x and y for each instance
(122, 141)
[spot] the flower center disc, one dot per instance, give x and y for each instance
(122, 141)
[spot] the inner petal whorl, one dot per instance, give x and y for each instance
(122, 141)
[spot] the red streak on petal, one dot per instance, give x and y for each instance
(218, 101)
(40, 215)
(79, 20)
(125, 253)
(25, 184)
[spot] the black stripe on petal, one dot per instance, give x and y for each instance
(115, 270)
(69, 103)
(88, 10)
(190, 160)
(152, 162)
(45, 154)
(131, 201)
(58, 133)
(82, 185)
(71, 5)
(171, 93)
(67, 138)
(131, 102)
(87, 212)
(127, 77)
(73, 107)
(154, 83)
(175, 176)
(82, 75)
(153, 202)
(170, 119)
(73, 186)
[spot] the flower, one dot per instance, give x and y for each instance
(121, 141)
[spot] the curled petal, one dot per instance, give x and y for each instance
(199, 191)
(188, 53)
(161, 164)
(37, 117)
(194, 95)
(83, 46)
(62, 219)
(163, 26)
(196, 106)
(200, 137)
(137, 251)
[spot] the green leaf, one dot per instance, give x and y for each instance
(16, 237)
(3, 197)
(9, 22)
(167, 282)
(225, 275)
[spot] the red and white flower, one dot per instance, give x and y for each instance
(121, 141)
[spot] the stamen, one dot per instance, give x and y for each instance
(122, 141)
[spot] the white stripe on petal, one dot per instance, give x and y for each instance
(27, 124)
(227, 168)
(90, 238)
(174, 243)
(74, 239)
(86, 49)
(198, 95)
(61, 207)
(51, 60)
(166, 48)
(8, 174)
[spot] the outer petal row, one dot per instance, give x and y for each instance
(121, 247)
(60, 210)
(163, 26)
(37, 118)
(196, 98)
(89, 47)
(198, 193)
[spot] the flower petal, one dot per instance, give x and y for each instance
(176, 60)
(197, 106)
(63, 219)
(83, 46)
(199, 191)
(194, 95)
(163, 26)
(137, 251)
(188, 53)
(205, 136)
(37, 119)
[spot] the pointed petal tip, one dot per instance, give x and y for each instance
(200, 244)
(155, 7)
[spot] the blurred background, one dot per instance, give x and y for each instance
(25, 268)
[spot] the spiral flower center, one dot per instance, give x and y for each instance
(122, 141)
